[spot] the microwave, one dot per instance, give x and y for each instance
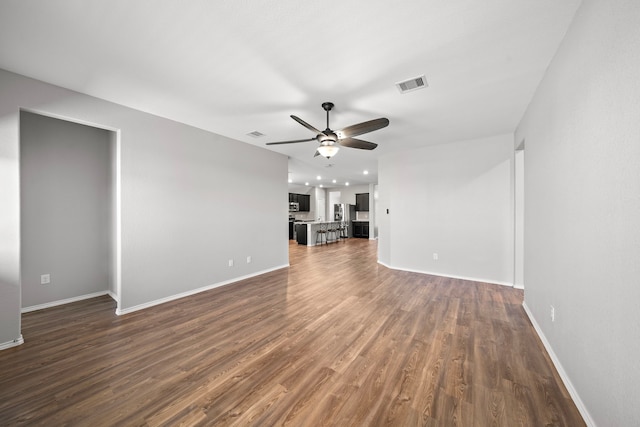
(294, 207)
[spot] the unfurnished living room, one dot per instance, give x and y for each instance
(458, 183)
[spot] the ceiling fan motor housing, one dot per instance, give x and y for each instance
(327, 138)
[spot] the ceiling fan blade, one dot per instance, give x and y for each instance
(357, 143)
(364, 127)
(317, 154)
(291, 142)
(305, 124)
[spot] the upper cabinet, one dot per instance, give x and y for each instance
(362, 202)
(303, 200)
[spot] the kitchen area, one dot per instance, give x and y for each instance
(313, 221)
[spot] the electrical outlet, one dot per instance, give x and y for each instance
(249, 259)
(45, 279)
(230, 263)
(435, 256)
(553, 314)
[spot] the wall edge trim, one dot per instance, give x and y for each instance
(451, 276)
(561, 372)
(14, 343)
(174, 297)
(63, 301)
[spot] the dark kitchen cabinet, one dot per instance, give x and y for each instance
(361, 229)
(301, 234)
(303, 200)
(362, 202)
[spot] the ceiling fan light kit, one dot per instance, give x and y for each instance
(330, 141)
(328, 151)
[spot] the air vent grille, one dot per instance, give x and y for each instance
(255, 134)
(412, 84)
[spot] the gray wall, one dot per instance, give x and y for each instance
(187, 200)
(582, 210)
(453, 199)
(65, 189)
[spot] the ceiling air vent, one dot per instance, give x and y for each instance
(255, 134)
(412, 84)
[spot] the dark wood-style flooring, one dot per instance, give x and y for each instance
(336, 340)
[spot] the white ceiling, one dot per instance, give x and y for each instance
(237, 66)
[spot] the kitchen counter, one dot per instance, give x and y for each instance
(306, 232)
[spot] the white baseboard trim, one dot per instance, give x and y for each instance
(473, 279)
(519, 287)
(563, 374)
(113, 296)
(63, 301)
(385, 265)
(14, 343)
(138, 307)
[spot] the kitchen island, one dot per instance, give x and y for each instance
(306, 232)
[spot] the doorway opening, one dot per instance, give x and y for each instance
(69, 211)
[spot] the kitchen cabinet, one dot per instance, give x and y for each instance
(361, 229)
(362, 202)
(303, 200)
(301, 234)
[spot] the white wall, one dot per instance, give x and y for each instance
(451, 199)
(66, 210)
(189, 200)
(582, 210)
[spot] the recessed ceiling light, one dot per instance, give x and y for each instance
(346, 183)
(290, 180)
(334, 181)
(318, 177)
(306, 183)
(320, 185)
(366, 172)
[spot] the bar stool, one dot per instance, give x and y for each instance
(321, 231)
(332, 229)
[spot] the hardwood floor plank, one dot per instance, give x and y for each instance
(334, 340)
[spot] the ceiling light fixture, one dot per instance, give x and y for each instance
(366, 172)
(318, 177)
(334, 181)
(346, 183)
(328, 151)
(306, 183)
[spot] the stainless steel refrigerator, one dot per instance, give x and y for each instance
(345, 213)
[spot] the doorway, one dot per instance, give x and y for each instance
(334, 199)
(67, 211)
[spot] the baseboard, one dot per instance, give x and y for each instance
(473, 279)
(113, 296)
(518, 287)
(563, 374)
(14, 343)
(63, 301)
(149, 304)
(385, 265)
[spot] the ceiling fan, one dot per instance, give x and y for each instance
(331, 141)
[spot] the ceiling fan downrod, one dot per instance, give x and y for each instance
(327, 107)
